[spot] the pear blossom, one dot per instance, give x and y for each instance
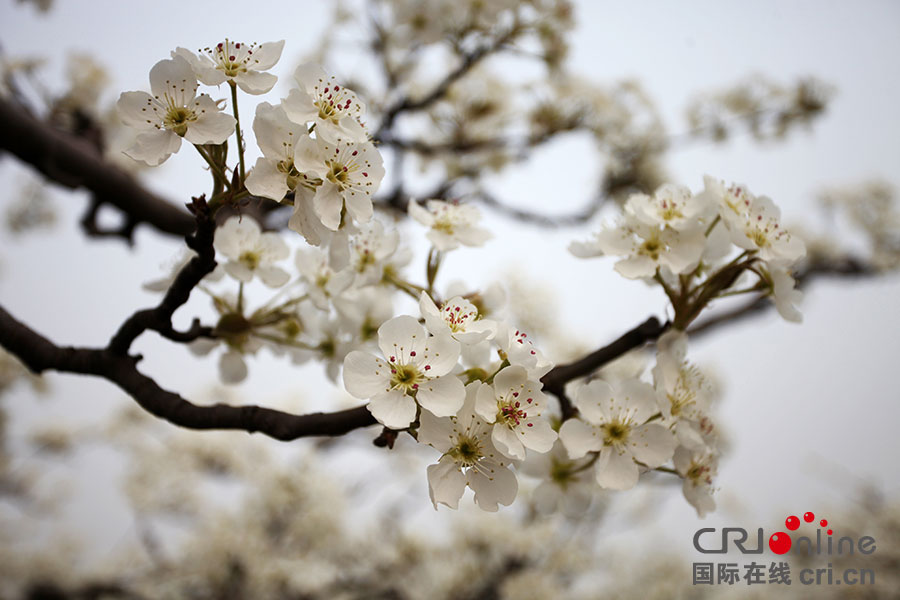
(468, 459)
(615, 425)
(754, 223)
(671, 205)
(415, 371)
(323, 283)
(173, 111)
(326, 337)
(458, 318)
(565, 486)
(698, 470)
(364, 310)
(370, 251)
(733, 201)
(348, 174)
(520, 350)
(683, 392)
(280, 139)
(233, 332)
(760, 230)
(244, 64)
(513, 404)
(336, 111)
(251, 252)
(305, 220)
(451, 224)
(645, 247)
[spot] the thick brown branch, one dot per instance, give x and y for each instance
(40, 354)
(159, 319)
(76, 163)
(557, 378)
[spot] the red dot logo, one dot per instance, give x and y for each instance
(824, 522)
(809, 517)
(780, 543)
(830, 532)
(792, 523)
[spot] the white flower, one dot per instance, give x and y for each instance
(457, 318)
(238, 62)
(565, 485)
(335, 110)
(615, 425)
(327, 338)
(521, 351)
(698, 470)
(451, 224)
(733, 202)
(416, 370)
(683, 392)
(172, 112)
(370, 251)
(753, 223)
(364, 310)
(513, 403)
(234, 333)
(324, 283)
(280, 139)
(468, 458)
(349, 174)
(645, 247)
(671, 205)
(251, 252)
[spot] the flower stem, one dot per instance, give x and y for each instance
(218, 173)
(237, 127)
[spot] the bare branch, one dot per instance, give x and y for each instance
(40, 354)
(556, 379)
(159, 319)
(76, 163)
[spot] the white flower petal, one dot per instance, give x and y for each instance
(154, 147)
(616, 470)
(266, 180)
(393, 409)
(652, 444)
(498, 486)
(539, 437)
(507, 442)
(135, 110)
(446, 483)
(442, 396)
(255, 83)
(232, 368)
(579, 438)
(365, 375)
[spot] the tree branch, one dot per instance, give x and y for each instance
(159, 319)
(40, 354)
(76, 163)
(556, 379)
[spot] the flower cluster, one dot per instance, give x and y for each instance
(699, 247)
(315, 148)
(456, 375)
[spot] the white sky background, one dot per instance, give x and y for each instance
(811, 410)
